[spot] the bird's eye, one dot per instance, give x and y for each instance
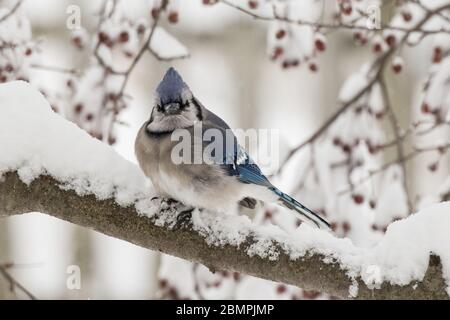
(159, 108)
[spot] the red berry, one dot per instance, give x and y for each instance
(433, 167)
(397, 68)
(281, 288)
(310, 294)
(320, 45)
(285, 64)
(173, 293)
(112, 96)
(425, 108)
(357, 36)
(360, 37)
(346, 7)
(225, 273)
(337, 141)
(280, 34)
(155, 13)
(103, 37)
(346, 227)
(163, 283)
(379, 115)
(358, 198)
(124, 36)
(78, 108)
(390, 40)
(377, 47)
(173, 17)
(313, 67)
(346, 148)
(28, 52)
(253, 4)
(437, 55)
(334, 226)
(89, 117)
(9, 68)
(141, 29)
(277, 52)
(406, 16)
(268, 215)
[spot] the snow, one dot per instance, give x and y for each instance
(166, 46)
(354, 84)
(34, 141)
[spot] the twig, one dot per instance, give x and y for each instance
(319, 25)
(380, 62)
(440, 148)
(14, 283)
(12, 11)
(56, 69)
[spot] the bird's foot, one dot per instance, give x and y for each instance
(184, 218)
(168, 201)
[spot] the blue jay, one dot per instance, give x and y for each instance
(228, 180)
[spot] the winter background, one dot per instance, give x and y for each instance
(254, 74)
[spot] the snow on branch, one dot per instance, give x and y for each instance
(49, 165)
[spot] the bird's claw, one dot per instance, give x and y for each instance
(184, 218)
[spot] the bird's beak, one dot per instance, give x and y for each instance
(172, 108)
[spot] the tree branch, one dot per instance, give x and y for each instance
(339, 25)
(6, 277)
(309, 272)
(11, 11)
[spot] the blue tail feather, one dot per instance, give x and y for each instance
(293, 204)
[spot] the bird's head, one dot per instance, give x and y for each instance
(175, 107)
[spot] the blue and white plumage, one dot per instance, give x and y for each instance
(227, 179)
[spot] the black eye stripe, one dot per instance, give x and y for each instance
(199, 109)
(183, 105)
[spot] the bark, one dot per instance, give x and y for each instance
(105, 216)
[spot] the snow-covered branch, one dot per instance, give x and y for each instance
(50, 165)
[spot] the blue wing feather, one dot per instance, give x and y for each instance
(241, 165)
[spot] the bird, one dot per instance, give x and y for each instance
(227, 179)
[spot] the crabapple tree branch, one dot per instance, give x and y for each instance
(106, 216)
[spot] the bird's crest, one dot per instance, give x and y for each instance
(172, 87)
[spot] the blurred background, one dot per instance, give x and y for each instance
(230, 72)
